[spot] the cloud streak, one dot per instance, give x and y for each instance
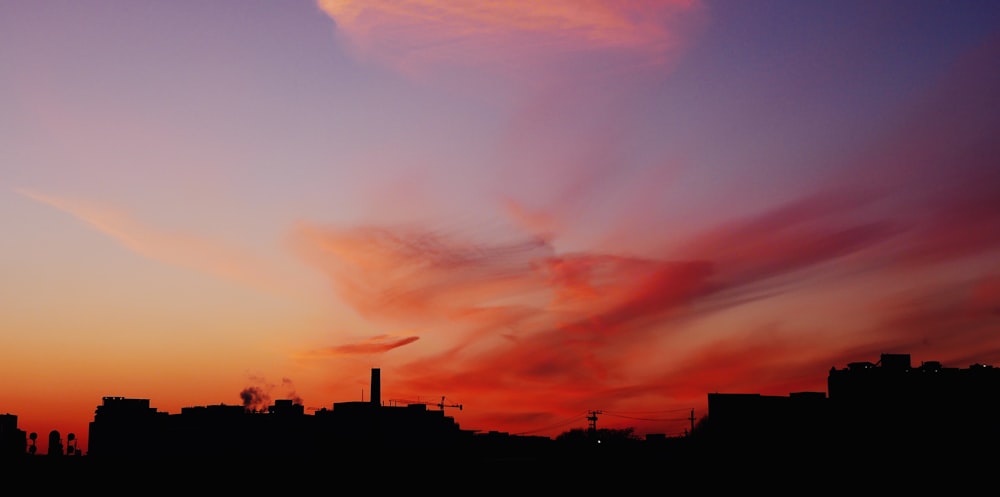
(374, 345)
(206, 256)
(416, 34)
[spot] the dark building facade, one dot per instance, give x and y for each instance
(13, 440)
(126, 427)
(927, 407)
(750, 418)
(888, 407)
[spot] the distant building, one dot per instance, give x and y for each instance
(916, 407)
(13, 441)
(124, 427)
(750, 421)
(886, 407)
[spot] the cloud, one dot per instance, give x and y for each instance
(799, 235)
(413, 35)
(178, 249)
(409, 274)
(947, 321)
(540, 334)
(406, 273)
(632, 290)
(517, 316)
(374, 345)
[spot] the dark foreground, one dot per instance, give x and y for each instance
(622, 472)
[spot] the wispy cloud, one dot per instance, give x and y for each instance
(374, 345)
(519, 313)
(407, 273)
(412, 35)
(545, 333)
(199, 254)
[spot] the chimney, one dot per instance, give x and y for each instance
(376, 388)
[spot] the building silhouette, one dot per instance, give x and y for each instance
(750, 420)
(887, 408)
(128, 427)
(124, 426)
(13, 440)
(873, 412)
(905, 407)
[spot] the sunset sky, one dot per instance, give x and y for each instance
(534, 209)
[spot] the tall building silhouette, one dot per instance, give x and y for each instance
(126, 426)
(925, 407)
(887, 407)
(13, 440)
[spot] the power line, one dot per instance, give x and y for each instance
(588, 417)
(646, 419)
(575, 419)
(651, 412)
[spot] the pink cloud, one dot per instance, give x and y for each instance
(412, 35)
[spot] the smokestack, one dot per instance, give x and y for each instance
(376, 388)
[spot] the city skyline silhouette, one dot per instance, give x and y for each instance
(892, 404)
(528, 218)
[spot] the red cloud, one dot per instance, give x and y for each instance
(534, 337)
(374, 345)
(954, 321)
(530, 330)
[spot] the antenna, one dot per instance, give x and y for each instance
(592, 417)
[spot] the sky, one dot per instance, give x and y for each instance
(533, 210)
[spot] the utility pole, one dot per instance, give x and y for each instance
(691, 419)
(592, 417)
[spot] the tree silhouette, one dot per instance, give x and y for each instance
(601, 436)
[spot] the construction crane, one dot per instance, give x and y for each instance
(441, 405)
